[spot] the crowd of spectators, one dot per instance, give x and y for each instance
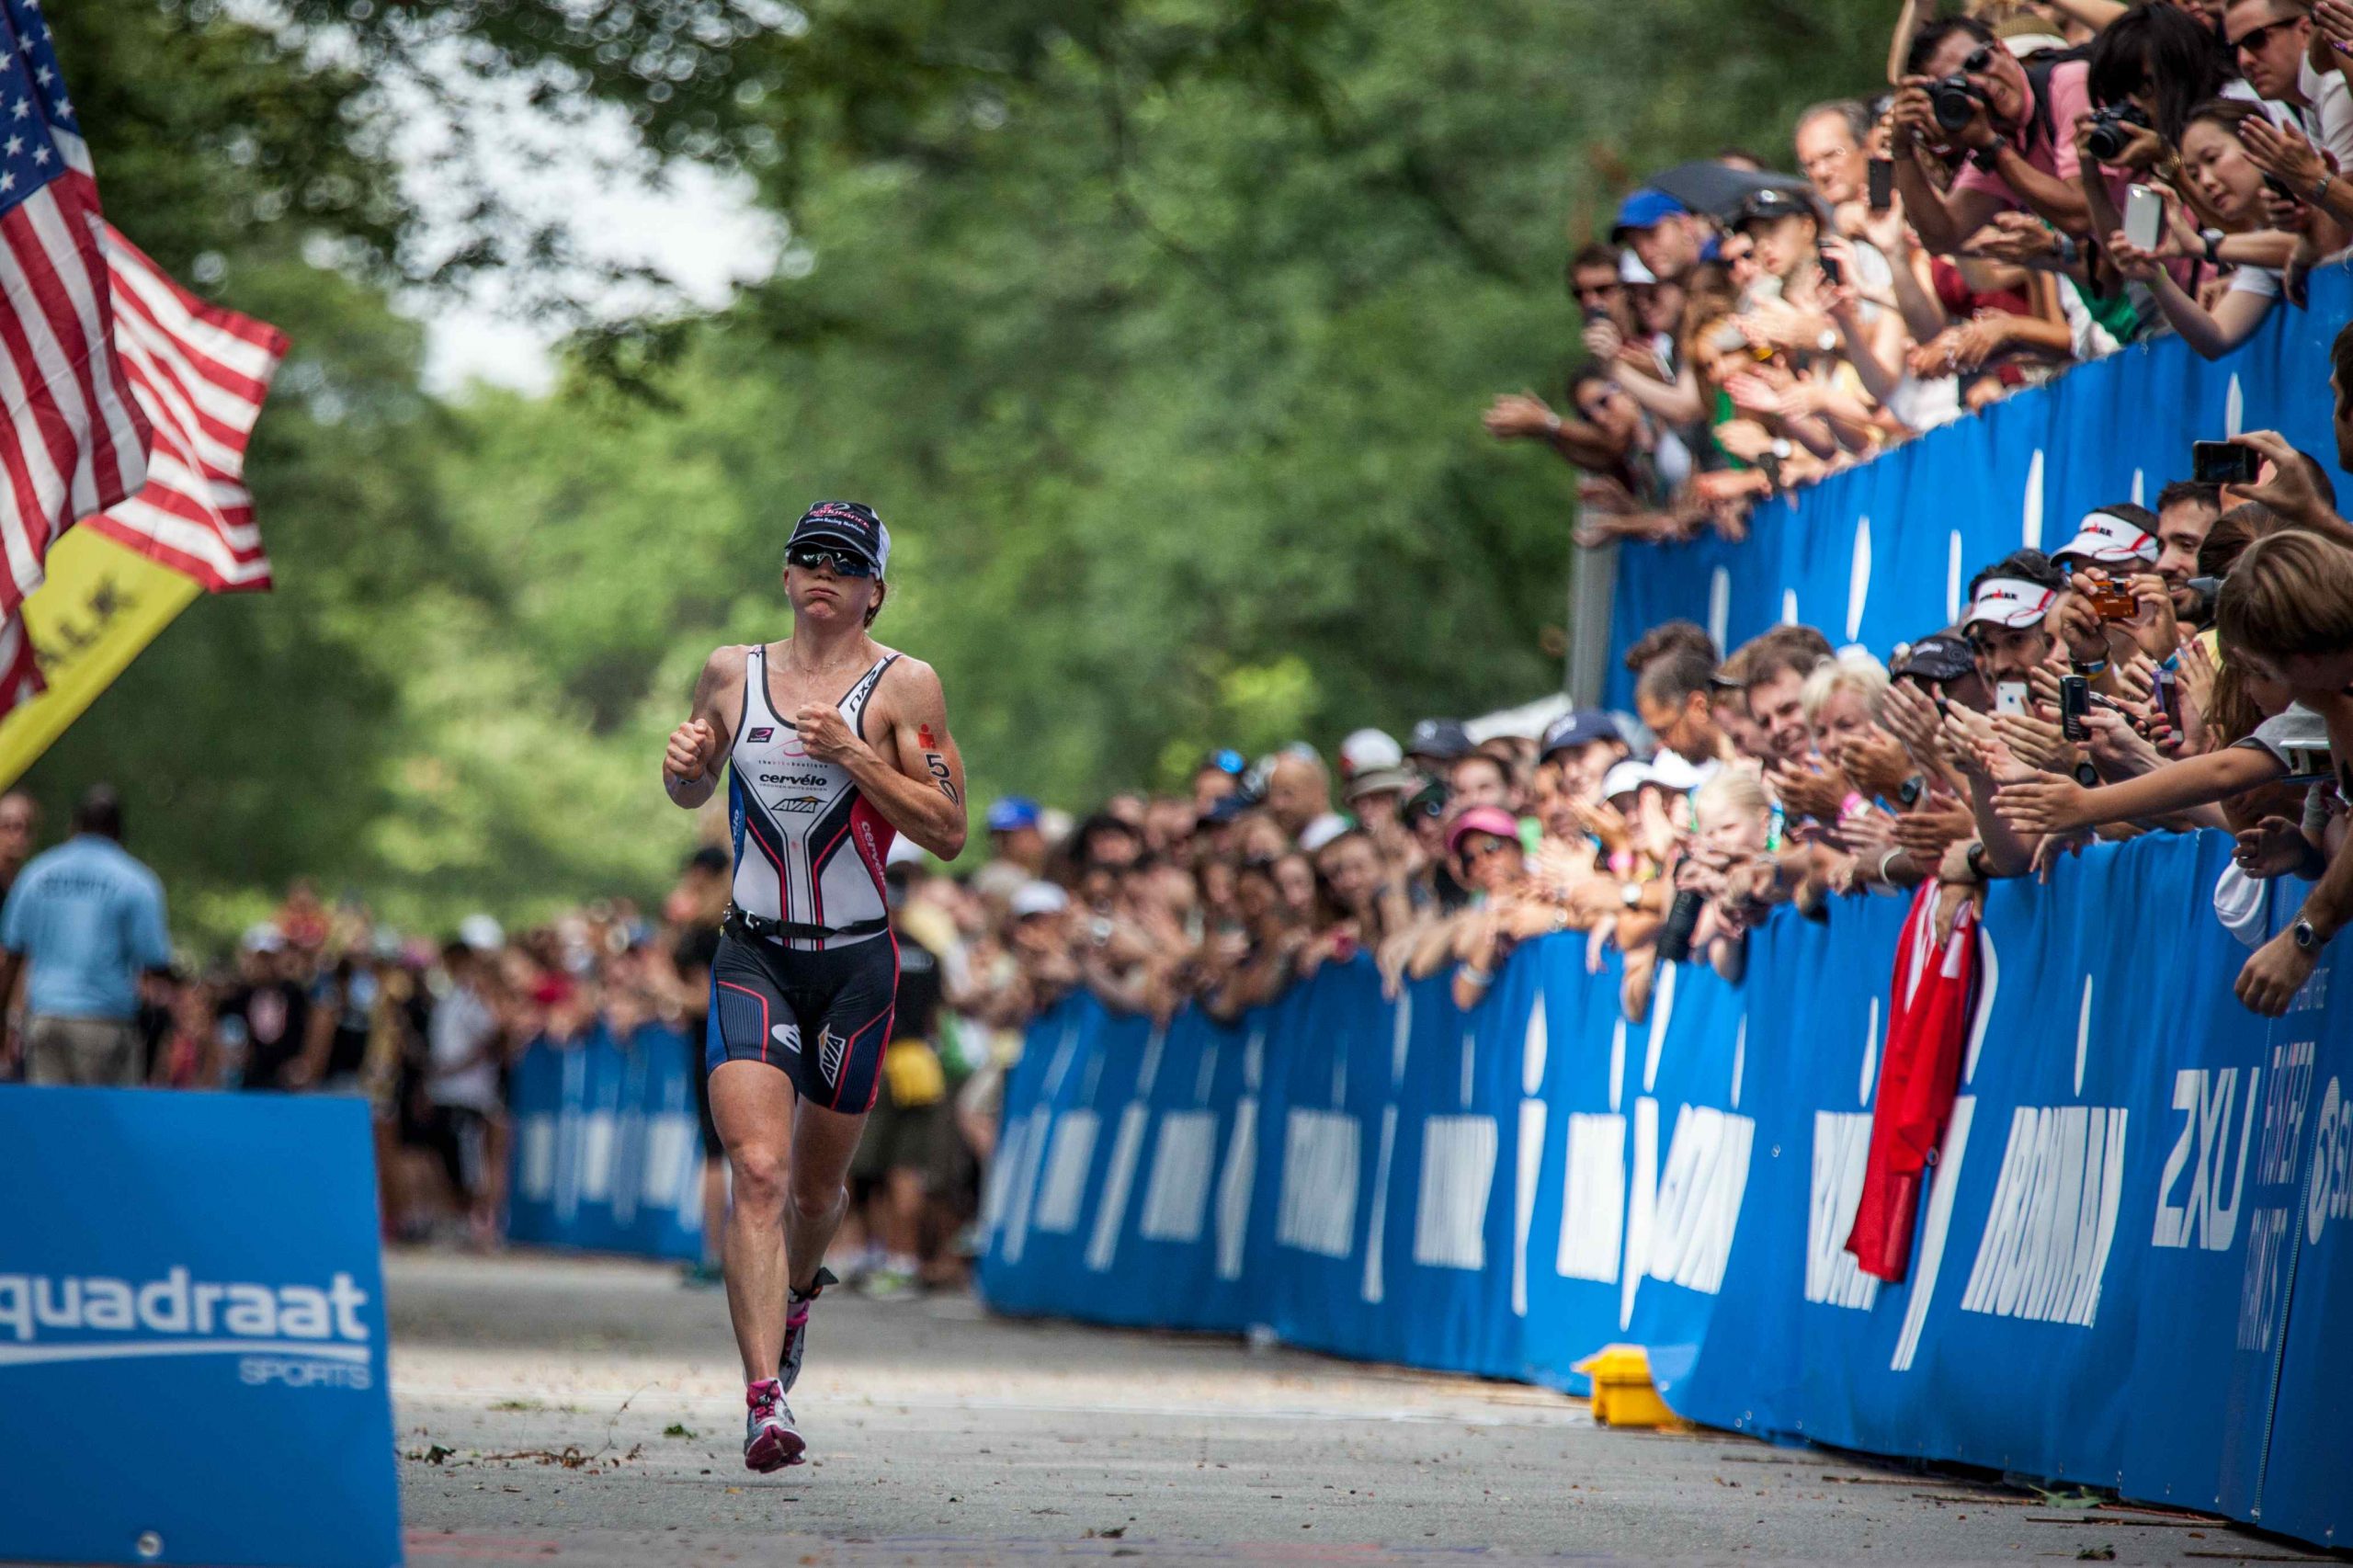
(322, 998)
(2165, 670)
(2046, 181)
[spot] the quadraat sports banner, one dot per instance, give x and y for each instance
(607, 1151)
(192, 1332)
(2140, 1214)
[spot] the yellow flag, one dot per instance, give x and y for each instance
(96, 609)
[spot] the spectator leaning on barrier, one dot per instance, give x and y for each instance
(2287, 610)
(2015, 127)
(1774, 666)
(88, 920)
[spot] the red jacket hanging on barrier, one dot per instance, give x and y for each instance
(1933, 1001)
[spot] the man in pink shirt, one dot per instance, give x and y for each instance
(2020, 140)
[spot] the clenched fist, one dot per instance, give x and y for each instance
(693, 750)
(825, 733)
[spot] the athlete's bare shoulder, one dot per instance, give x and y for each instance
(716, 688)
(909, 684)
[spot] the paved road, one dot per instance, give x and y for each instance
(591, 1413)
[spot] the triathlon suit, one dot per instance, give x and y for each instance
(807, 966)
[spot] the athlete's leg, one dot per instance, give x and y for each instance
(823, 1144)
(752, 1104)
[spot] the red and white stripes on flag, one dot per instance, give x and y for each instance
(199, 373)
(72, 442)
(20, 671)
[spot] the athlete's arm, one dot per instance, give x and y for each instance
(690, 766)
(918, 784)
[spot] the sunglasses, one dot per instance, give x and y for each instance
(841, 562)
(1478, 850)
(2254, 38)
(1978, 60)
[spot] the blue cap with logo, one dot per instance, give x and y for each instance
(1644, 209)
(1578, 727)
(1012, 814)
(850, 524)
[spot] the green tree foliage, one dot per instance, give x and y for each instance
(1158, 331)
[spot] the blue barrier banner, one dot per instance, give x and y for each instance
(1883, 553)
(2131, 1265)
(206, 1262)
(607, 1151)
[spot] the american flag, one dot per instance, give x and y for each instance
(199, 373)
(72, 442)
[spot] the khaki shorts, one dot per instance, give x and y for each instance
(99, 1052)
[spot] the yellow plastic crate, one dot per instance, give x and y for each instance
(1623, 1394)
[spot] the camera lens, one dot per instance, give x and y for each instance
(1955, 102)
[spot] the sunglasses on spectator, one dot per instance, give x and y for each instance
(2254, 38)
(1980, 61)
(843, 562)
(1480, 847)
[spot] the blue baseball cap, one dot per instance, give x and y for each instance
(1012, 814)
(1644, 209)
(1580, 726)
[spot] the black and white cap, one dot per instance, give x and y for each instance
(850, 524)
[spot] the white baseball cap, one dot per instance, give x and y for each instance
(1368, 749)
(2011, 601)
(1038, 898)
(1625, 778)
(2106, 539)
(1322, 831)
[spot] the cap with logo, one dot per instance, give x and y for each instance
(1939, 656)
(1632, 270)
(849, 524)
(1443, 739)
(1644, 209)
(2113, 536)
(1771, 201)
(1012, 814)
(1579, 727)
(2011, 601)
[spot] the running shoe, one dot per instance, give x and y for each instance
(887, 1281)
(770, 1440)
(795, 1327)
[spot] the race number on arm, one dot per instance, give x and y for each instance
(914, 776)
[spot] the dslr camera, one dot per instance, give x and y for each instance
(2108, 133)
(1955, 100)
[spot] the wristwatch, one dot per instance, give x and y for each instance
(2307, 939)
(1974, 859)
(1907, 794)
(2320, 188)
(1828, 341)
(2212, 238)
(2088, 776)
(1989, 156)
(1630, 895)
